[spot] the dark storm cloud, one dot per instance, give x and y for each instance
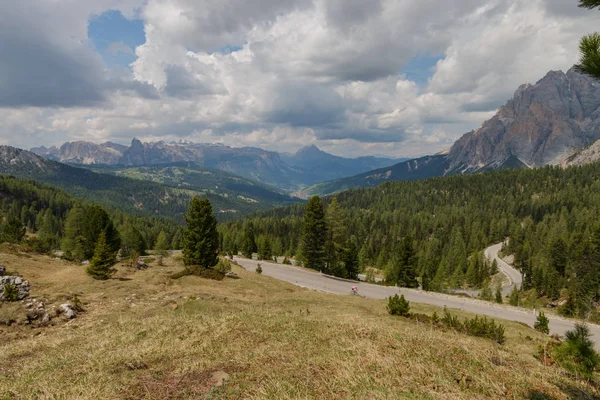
(37, 71)
(305, 104)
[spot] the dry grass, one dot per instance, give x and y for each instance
(173, 340)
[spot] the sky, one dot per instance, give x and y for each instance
(395, 78)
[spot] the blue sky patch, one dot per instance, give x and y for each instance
(420, 68)
(116, 37)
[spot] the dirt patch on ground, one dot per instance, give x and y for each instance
(161, 385)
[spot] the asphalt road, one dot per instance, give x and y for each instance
(514, 275)
(314, 280)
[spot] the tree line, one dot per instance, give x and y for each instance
(434, 231)
(47, 219)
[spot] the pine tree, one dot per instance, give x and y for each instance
(265, 252)
(513, 300)
(73, 239)
(314, 234)
(249, 246)
(161, 246)
(498, 296)
(350, 258)
(200, 238)
(132, 241)
(13, 231)
(336, 239)
(541, 323)
(402, 268)
(102, 263)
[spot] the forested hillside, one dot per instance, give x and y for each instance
(131, 195)
(48, 219)
(433, 228)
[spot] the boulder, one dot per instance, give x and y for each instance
(20, 284)
(68, 311)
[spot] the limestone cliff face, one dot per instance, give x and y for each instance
(542, 124)
(81, 152)
(586, 156)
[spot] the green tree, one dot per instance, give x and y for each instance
(249, 245)
(402, 269)
(132, 241)
(13, 231)
(314, 234)
(577, 354)
(161, 246)
(513, 299)
(102, 263)
(200, 238)
(589, 46)
(498, 296)
(336, 239)
(541, 323)
(265, 252)
(398, 306)
(350, 259)
(73, 240)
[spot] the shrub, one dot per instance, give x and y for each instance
(10, 292)
(476, 326)
(541, 323)
(398, 306)
(286, 261)
(451, 321)
(259, 269)
(577, 354)
(484, 327)
(223, 266)
(207, 273)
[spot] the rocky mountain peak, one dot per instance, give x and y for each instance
(543, 123)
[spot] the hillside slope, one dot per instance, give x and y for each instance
(132, 195)
(251, 338)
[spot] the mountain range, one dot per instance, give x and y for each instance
(157, 190)
(551, 122)
(289, 172)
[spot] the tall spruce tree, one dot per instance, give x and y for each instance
(249, 246)
(161, 246)
(132, 241)
(200, 238)
(350, 258)
(102, 263)
(336, 239)
(314, 234)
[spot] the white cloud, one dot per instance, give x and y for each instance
(302, 71)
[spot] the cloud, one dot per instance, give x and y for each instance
(321, 71)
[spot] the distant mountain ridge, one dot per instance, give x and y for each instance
(545, 123)
(159, 190)
(285, 171)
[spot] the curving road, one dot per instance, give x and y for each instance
(513, 275)
(314, 280)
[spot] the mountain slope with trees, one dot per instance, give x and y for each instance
(543, 124)
(133, 195)
(436, 229)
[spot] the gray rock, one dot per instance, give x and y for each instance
(68, 311)
(46, 318)
(19, 283)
